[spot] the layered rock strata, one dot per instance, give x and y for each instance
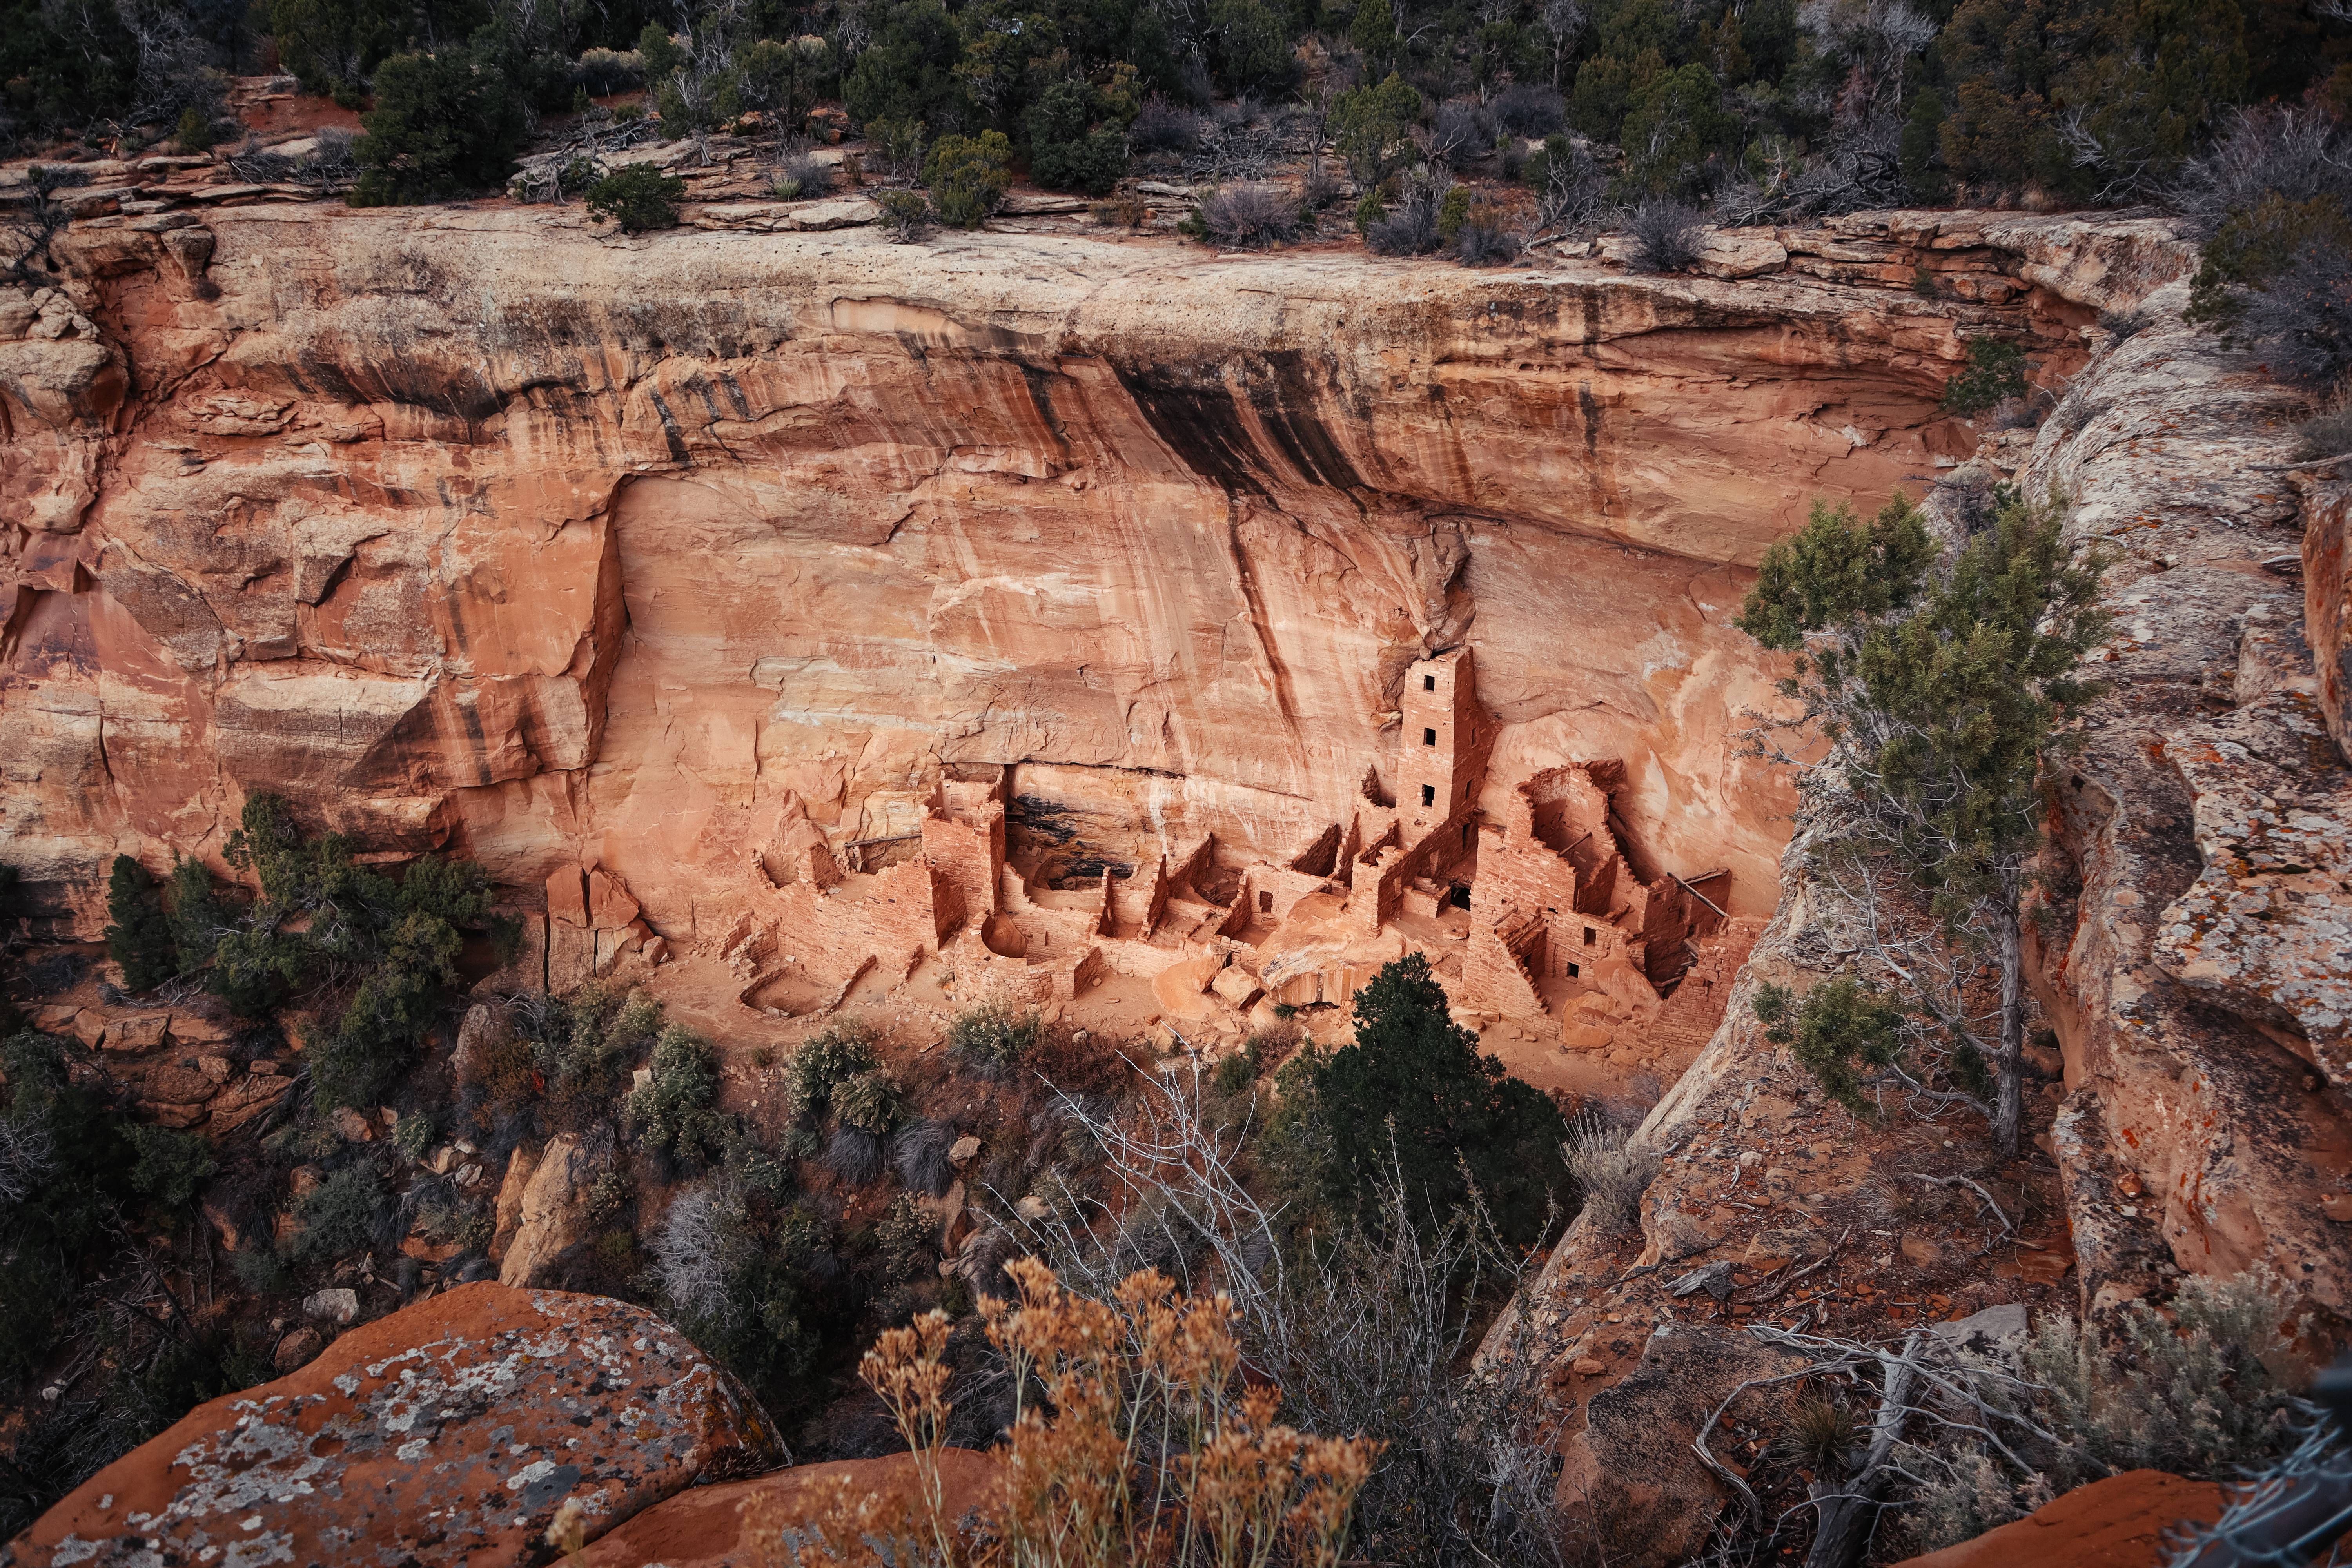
(477, 528)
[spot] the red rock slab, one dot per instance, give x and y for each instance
(2118, 1523)
(449, 1432)
(705, 1528)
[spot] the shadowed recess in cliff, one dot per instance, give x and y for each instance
(1202, 425)
(1200, 417)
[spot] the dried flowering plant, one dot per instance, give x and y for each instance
(1134, 1443)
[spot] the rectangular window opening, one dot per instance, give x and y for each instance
(1429, 683)
(1589, 935)
(1429, 794)
(1429, 737)
(1265, 903)
(1573, 972)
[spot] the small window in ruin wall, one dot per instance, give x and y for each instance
(1429, 737)
(1573, 972)
(1429, 683)
(1589, 934)
(1429, 794)
(1265, 903)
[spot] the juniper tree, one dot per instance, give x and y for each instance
(1412, 1100)
(1930, 686)
(139, 939)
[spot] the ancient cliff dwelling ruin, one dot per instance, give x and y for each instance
(1535, 913)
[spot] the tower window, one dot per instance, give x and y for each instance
(1429, 794)
(1573, 972)
(1429, 737)
(1429, 683)
(1589, 934)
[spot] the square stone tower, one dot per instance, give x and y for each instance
(1442, 751)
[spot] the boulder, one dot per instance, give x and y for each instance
(520, 1164)
(553, 1213)
(1631, 1478)
(2327, 589)
(449, 1432)
(340, 1304)
(2118, 1522)
(298, 1350)
(711, 1527)
(474, 1035)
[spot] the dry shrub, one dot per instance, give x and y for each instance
(1612, 1176)
(1143, 1448)
(1249, 217)
(1668, 237)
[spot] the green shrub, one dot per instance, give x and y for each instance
(171, 1165)
(1250, 43)
(200, 916)
(1846, 1034)
(896, 146)
(337, 1216)
(194, 132)
(333, 46)
(1452, 213)
(1995, 373)
(992, 1037)
(638, 198)
(907, 72)
(905, 1237)
(442, 126)
(452, 1221)
(868, 1101)
(833, 1055)
(905, 214)
(1072, 144)
(260, 1270)
(735, 1271)
(673, 1113)
(1373, 126)
(968, 175)
(139, 939)
(414, 1135)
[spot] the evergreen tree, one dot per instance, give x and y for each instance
(139, 939)
(1373, 32)
(1455, 1116)
(1937, 686)
(442, 126)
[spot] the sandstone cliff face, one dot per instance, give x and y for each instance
(2188, 952)
(475, 528)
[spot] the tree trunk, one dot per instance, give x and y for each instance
(1845, 1513)
(2009, 1088)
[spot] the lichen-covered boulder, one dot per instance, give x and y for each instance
(715, 1527)
(449, 1432)
(2119, 1521)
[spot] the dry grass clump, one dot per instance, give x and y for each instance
(1612, 1176)
(1131, 1442)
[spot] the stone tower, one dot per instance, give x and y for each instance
(1442, 751)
